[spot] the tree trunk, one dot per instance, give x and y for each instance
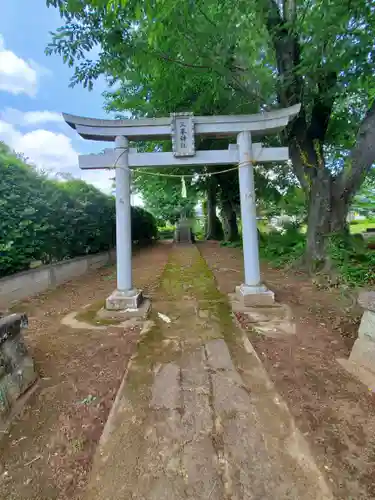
(327, 215)
(318, 218)
(229, 222)
(330, 199)
(214, 229)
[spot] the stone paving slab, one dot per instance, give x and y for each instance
(229, 396)
(195, 390)
(218, 356)
(167, 377)
(202, 472)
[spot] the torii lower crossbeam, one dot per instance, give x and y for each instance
(230, 156)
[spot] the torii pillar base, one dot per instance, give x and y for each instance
(120, 301)
(255, 296)
(126, 305)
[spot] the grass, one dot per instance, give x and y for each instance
(361, 226)
(178, 279)
(356, 227)
(89, 315)
(352, 263)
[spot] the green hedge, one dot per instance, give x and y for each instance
(47, 221)
(144, 228)
(166, 234)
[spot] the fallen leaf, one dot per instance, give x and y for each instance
(164, 318)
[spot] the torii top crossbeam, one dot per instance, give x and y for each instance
(260, 125)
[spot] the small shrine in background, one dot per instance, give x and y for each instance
(184, 232)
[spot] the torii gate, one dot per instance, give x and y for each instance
(181, 128)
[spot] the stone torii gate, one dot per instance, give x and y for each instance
(182, 128)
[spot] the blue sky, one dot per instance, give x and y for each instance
(34, 90)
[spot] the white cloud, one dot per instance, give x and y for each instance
(101, 179)
(48, 150)
(8, 134)
(52, 152)
(16, 75)
(36, 117)
(30, 118)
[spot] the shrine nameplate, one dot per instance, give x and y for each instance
(182, 130)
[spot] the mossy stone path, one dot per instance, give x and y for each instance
(198, 417)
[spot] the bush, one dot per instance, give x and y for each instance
(166, 234)
(144, 228)
(47, 221)
(353, 260)
(231, 244)
(166, 231)
(350, 258)
(281, 248)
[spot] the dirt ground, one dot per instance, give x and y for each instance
(48, 450)
(335, 412)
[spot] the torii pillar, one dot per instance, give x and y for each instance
(125, 297)
(252, 292)
(181, 128)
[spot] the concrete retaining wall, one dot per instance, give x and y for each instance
(29, 283)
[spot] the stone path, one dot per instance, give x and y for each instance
(197, 417)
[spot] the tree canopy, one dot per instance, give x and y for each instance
(163, 195)
(234, 57)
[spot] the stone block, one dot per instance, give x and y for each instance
(17, 371)
(259, 297)
(262, 313)
(364, 375)
(124, 301)
(141, 312)
(183, 232)
(367, 326)
(363, 353)
(367, 301)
